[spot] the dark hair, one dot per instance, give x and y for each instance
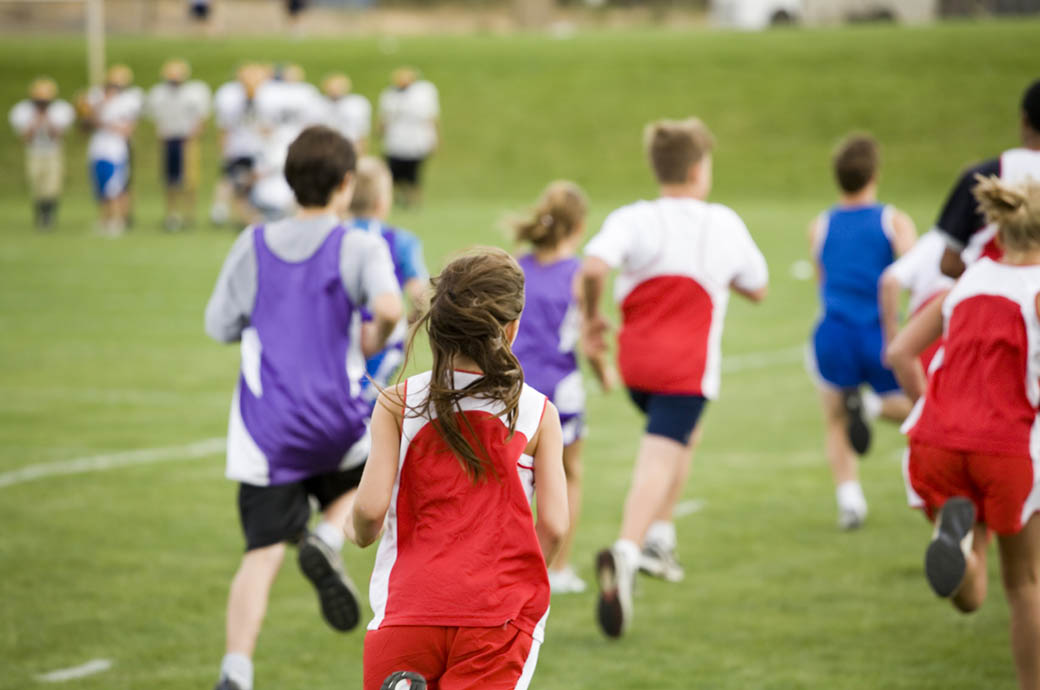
(560, 212)
(474, 297)
(1031, 105)
(317, 162)
(674, 146)
(856, 162)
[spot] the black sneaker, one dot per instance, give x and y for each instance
(339, 600)
(614, 605)
(227, 684)
(945, 561)
(403, 680)
(856, 426)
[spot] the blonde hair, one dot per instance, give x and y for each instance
(1014, 208)
(674, 146)
(559, 214)
(373, 186)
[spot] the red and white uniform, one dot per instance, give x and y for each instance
(976, 431)
(678, 258)
(458, 554)
(1016, 166)
(918, 271)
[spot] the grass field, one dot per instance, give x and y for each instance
(102, 351)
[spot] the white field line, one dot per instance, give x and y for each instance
(689, 507)
(107, 461)
(762, 360)
(88, 669)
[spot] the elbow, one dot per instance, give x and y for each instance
(366, 525)
(554, 529)
(758, 295)
(951, 264)
(594, 268)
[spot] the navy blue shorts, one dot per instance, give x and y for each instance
(173, 162)
(848, 355)
(671, 415)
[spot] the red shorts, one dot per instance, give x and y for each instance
(452, 658)
(998, 485)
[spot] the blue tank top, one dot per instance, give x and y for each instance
(854, 252)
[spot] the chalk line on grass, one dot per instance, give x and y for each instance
(107, 461)
(762, 360)
(88, 669)
(689, 507)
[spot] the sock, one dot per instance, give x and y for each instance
(239, 668)
(662, 535)
(629, 552)
(332, 536)
(850, 496)
(871, 405)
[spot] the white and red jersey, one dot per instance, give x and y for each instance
(984, 391)
(1016, 166)
(918, 270)
(458, 552)
(678, 258)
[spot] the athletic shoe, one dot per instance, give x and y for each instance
(403, 680)
(566, 581)
(614, 607)
(856, 426)
(339, 600)
(662, 563)
(227, 684)
(946, 559)
(851, 518)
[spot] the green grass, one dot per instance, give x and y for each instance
(102, 350)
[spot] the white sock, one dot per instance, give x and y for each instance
(629, 552)
(332, 536)
(239, 668)
(871, 405)
(662, 534)
(850, 496)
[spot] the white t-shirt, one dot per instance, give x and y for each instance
(178, 109)
(236, 114)
(918, 270)
(351, 116)
(289, 104)
(117, 110)
(410, 117)
(59, 116)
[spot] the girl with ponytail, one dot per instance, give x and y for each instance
(547, 343)
(972, 463)
(460, 589)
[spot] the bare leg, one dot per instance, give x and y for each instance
(682, 473)
(247, 602)
(895, 407)
(572, 467)
(839, 453)
(338, 513)
(1020, 568)
(972, 592)
(657, 465)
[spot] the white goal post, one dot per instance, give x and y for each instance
(93, 27)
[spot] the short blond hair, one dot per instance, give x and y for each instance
(1014, 208)
(373, 186)
(675, 146)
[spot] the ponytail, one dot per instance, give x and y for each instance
(1015, 209)
(559, 214)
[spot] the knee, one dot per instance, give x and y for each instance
(971, 595)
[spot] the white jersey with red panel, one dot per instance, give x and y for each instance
(1016, 166)
(678, 258)
(459, 552)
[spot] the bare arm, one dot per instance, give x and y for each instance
(904, 234)
(815, 228)
(902, 353)
(951, 264)
(601, 368)
(417, 290)
(889, 290)
(550, 484)
(377, 481)
(755, 296)
(386, 312)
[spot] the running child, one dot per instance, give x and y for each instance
(852, 243)
(679, 256)
(41, 121)
(974, 464)
(459, 589)
(548, 338)
(370, 206)
(291, 292)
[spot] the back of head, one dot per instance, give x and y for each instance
(336, 85)
(559, 214)
(252, 75)
(404, 77)
(1031, 105)
(856, 162)
(119, 76)
(373, 188)
(675, 146)
(176, 71)
(1014, 208)
(43, 90)
(316, 165)
(474, 298)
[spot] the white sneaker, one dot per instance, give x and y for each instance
(661, 563)
(850, 518)
(566, 581)
(614, 608)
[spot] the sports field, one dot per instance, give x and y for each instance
(102, 352)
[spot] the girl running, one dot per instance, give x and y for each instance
(548, 338)
(459, 588)
(973, 462)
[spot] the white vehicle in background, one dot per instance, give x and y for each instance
(755, 15)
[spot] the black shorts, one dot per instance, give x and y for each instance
(273, 514)
(173, 162)
(239, 171)
(200, 9)
(405, 169)
(295, 6)
(671, 415)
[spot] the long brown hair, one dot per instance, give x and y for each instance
(559, 214)
(474, 298)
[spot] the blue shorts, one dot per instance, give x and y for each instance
(848, 355)
(381, 368)
(173, 162)
(671, 415)
(110, 178)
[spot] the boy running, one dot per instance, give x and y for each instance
(291, 292)
(852, 244)
(679, 257)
